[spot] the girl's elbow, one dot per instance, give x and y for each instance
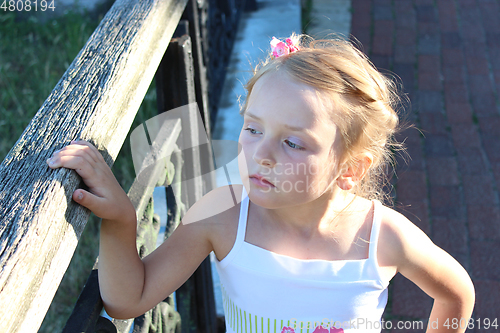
(120, 312)
(470, 293)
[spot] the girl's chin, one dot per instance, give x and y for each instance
(272, 198)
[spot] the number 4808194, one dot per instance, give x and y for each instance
(484, 323)
(27, 5)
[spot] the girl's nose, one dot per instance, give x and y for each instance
(264, 154)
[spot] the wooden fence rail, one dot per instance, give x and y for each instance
(97, 100)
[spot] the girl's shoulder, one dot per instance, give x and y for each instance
(217, 212)
(405, 247)
(401, 242)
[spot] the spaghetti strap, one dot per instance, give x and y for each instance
(242, 222)
(377, 220)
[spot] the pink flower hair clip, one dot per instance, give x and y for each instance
(280, 48)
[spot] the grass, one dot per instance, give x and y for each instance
(33, 57)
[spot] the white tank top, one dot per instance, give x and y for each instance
(266, 292)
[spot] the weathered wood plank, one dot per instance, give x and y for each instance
(96, 100)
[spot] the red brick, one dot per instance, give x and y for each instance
(490, 12)
(411, 185)
(453, 74)
(382, 37)
(492, 147)
(417, 211)
(484, 104)
(487, 304)
(496, 75)
(459, 113)
(447, 15)
(490, 124)
(361, 22)
(438, 145)
(424, 2)
(361, 10)
(406, 36)
(426, 13)
(465, 135)
(433, 123)
(406, 72)
(452, 57)
(455, 93)
(451, 236)
(496, 174)
(471, 22)
(442, 170)
(382, 62)
(411, 136)
(471, 161)
(405, 46)
(494, 53)
(478, 190)
(429, 72)
(485, 261)
(416, 161)
(472, 32)
(405, 14)
(477, 64)
(408, 300)
(483, 222)
(445, 201)
(429, 102)
(430, 81)
(362, 38)
(451, 40)
(428, 29)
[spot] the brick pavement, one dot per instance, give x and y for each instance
(447, 54)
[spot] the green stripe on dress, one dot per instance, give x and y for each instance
(241, 321)
(245, 313)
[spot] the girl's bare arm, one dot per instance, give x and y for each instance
(131, 286)
(433, 270)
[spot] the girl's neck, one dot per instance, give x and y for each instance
(324, 213)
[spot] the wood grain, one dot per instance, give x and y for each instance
(96, 100)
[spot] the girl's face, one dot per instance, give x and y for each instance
(289, 144)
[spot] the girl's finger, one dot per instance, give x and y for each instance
(77, 163)
(86, 147)
(62, 156)
(90, 201)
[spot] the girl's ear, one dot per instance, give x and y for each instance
(354, 172)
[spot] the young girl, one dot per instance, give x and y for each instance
(308, 248)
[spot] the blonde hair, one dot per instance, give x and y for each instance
(360, 99)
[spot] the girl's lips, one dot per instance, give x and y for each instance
(261, 181)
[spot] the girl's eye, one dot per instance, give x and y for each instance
(252, 131)
(293, 145)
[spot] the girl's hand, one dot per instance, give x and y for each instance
(105, 197)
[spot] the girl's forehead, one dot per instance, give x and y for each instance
(281, 93)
